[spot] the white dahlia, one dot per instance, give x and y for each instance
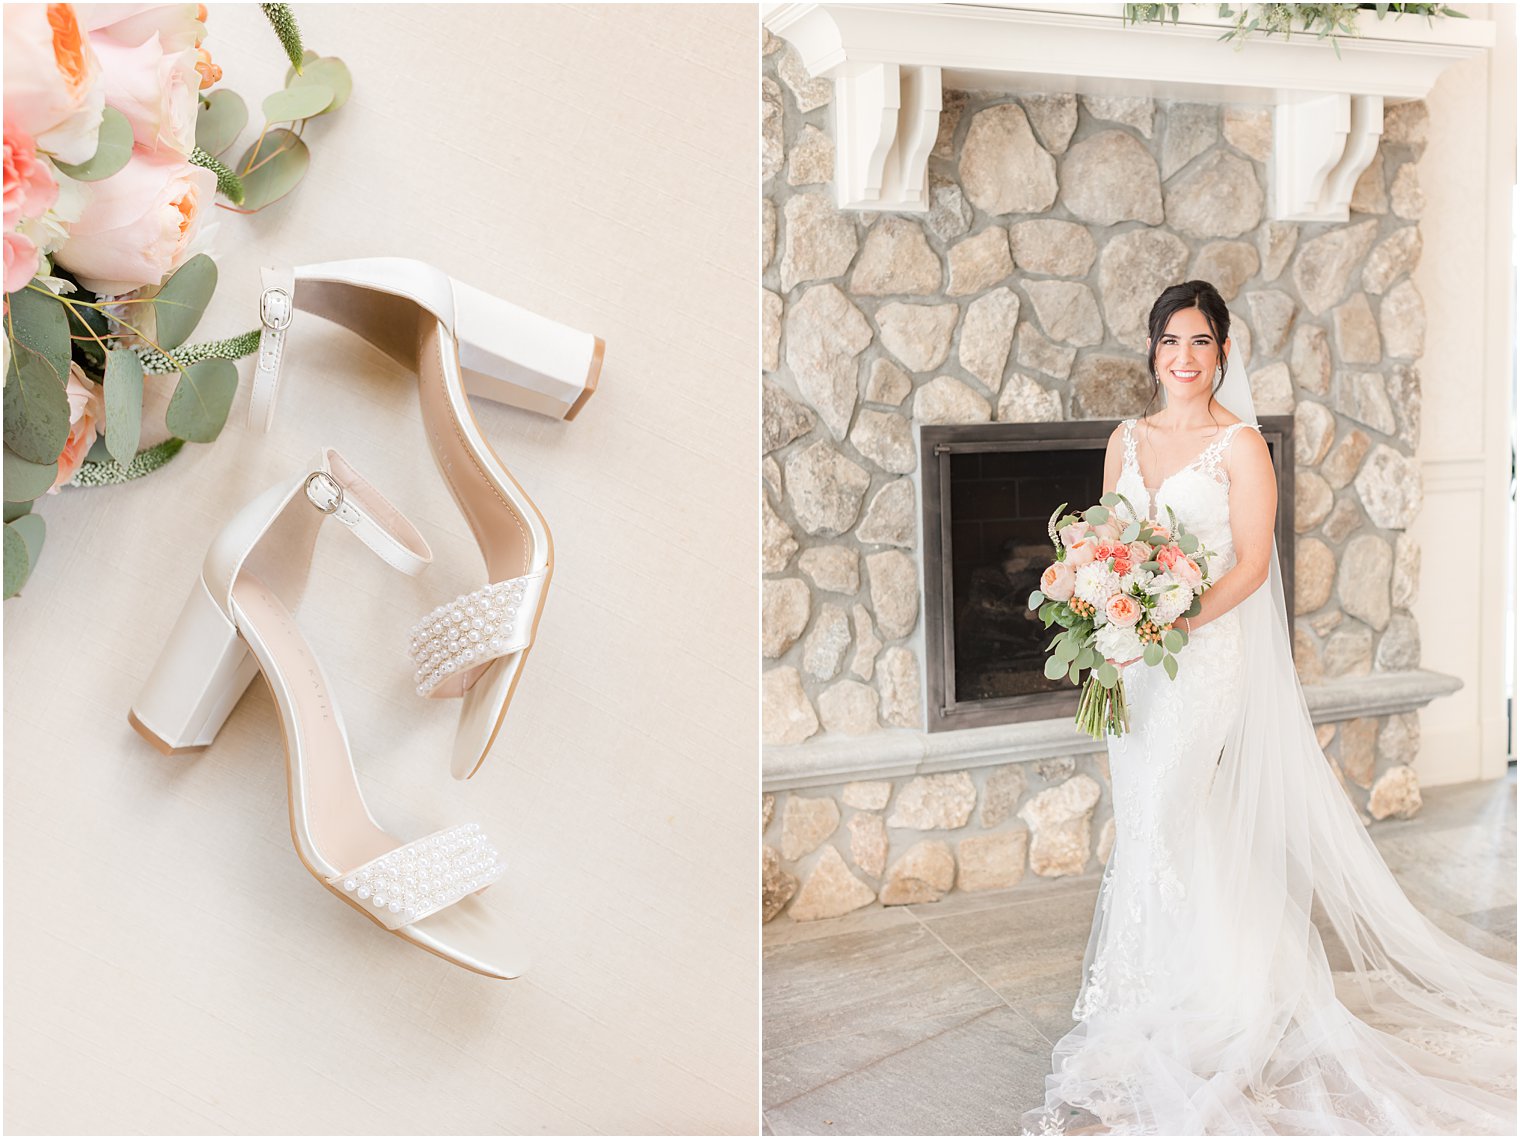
(1096, 583)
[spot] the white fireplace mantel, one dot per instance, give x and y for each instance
(890, 63)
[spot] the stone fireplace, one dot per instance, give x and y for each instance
(1002, 295)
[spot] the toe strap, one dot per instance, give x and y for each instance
(422, 877)
(451, 643)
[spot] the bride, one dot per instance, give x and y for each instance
(1210, 1002)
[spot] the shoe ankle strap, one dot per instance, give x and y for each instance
(277, 305)
(336, 488)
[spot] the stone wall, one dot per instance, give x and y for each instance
(1021, 295)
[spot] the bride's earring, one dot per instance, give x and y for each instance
(1218, 372)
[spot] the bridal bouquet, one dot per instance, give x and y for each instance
(1116, 589)
(112, 137)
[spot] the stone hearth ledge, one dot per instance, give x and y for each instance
(892, 754)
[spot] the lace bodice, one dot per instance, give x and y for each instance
(1199, 494)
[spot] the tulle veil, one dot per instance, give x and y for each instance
(1389, 1027)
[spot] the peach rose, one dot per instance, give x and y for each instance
(139, 223)
(1160, 532)
(179, 27)
(87, 412)
(1082, 553)
(157, 91)
(1058, 582)
(1076, 532)
(1139, 552)
(20, 261)
(29, 185)
(1123, 610)
(50, 88)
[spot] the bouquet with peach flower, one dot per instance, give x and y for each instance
(1116, 588)
(112, 142)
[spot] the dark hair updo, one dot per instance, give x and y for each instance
(1190, 294)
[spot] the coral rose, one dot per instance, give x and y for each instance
(1123, 610)
(29, 185)
(139, 223)
(1058, 582)
(87, 412)
(1169, 556)
(50, 88)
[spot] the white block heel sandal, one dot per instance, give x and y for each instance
(460, 341)
(238, 622)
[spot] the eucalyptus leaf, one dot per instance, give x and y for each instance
(1108, 675)
(1087, 658)
(1170, 664)
(1172, 640)
(1035, 599)
(1097, 515)
(296, 103)
(1131, 533)
(124, 392)
(1055, 668)
(1153, 566)
(1195, 608)
(1187, 543)
(18, 564)
(182, 300)
(1153, 654)
(25, 481)
(272, 168)
(1110, 499)
(1074, 674)
(33, 531)
(198, 408)
(330, 71)
(1066, 649)
(220, 120)
(111, 153)
(36, 411)
(15, 510)
(38, 327)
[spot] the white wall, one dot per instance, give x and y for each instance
(1467, 172)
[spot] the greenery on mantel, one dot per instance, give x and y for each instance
(1324, 20)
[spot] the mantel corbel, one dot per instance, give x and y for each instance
(889, 63)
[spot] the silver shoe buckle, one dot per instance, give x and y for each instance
(324, 492)
(274, 309)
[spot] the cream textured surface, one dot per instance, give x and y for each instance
(170, 967)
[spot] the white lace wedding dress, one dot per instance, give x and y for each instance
(1210, 1004)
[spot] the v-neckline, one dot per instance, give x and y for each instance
(1193, 462)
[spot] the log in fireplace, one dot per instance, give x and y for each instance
(988, 493)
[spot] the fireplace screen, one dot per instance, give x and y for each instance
(989, 492)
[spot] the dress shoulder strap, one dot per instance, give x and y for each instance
(1212, 459)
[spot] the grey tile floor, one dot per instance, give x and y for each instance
(939, 1019)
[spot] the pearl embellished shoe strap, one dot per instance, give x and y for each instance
(336, 488)
(475, 628)
(277, 304)
(422, 877)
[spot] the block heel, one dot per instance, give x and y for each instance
(202, 671)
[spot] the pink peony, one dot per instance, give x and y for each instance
(139, 223)
(50, 73)
(29, 185)
(87, 412)
(157, 91)
(179, 27)
(1187, 571)
(1058, 582)
(1082, 553)
(1123, 610)
(20, 261)
(1076, 532)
